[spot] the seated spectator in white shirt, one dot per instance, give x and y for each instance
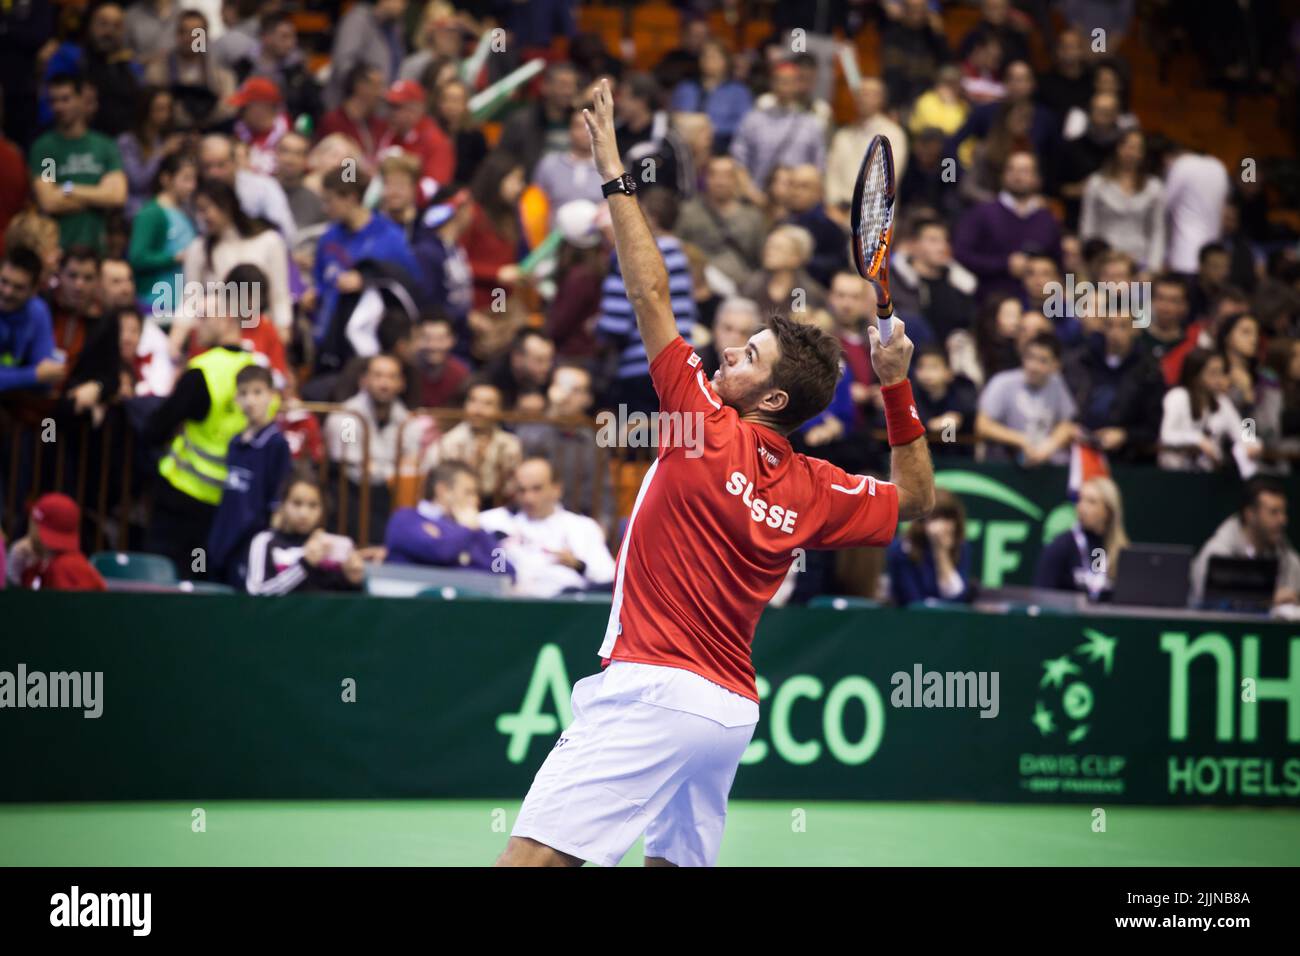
(1200, 426)
(552, 550)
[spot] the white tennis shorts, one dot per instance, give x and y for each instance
(625, 767)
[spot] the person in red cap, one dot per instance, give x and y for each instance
(262, 121)
(412, 129)
(50, 557)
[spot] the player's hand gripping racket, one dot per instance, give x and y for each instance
(873, 225)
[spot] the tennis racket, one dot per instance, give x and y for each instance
(872, 216)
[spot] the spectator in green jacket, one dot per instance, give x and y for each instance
(159, 236)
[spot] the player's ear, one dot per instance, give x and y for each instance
(774, 400)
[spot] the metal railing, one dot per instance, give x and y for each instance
(58, 455)
(324, 410)
(38, 443)
(605, 483)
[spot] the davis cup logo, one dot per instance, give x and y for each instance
(1064, 715)
(1065, 701)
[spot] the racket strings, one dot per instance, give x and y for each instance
(875, 210)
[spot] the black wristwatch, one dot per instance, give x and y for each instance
(624, 184)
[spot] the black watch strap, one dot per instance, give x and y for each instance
(624, 184)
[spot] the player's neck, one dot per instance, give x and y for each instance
(758, 418)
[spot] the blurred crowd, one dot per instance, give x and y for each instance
(257, 264)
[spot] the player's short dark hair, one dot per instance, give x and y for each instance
(445, 473)
(1260, 485)
(807, 371)
(1044, 340)
(251, 374)
(20, 257)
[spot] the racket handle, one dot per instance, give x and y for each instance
(885, 322)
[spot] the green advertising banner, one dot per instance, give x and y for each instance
(1013, 511)
(142, 697)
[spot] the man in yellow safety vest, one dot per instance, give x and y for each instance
(200, 416)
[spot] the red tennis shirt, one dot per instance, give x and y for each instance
(722, 513)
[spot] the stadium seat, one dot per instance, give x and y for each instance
(205, 587)
(445, 593)
(843, 603)
(410, 580)
(1034, 610)
(935, 604)
(586, 597)
(134, 566)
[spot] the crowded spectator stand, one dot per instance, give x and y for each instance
(391, 207)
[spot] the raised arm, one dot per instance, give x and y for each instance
(639, 258)
(910, 468)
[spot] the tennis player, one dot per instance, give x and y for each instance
(657, 735)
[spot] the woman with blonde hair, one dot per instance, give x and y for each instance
(33, 230)
(439, 36)
(1086, 557)
(783, 284)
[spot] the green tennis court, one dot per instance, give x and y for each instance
(759, 833)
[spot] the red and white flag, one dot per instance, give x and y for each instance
(1085, 462)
